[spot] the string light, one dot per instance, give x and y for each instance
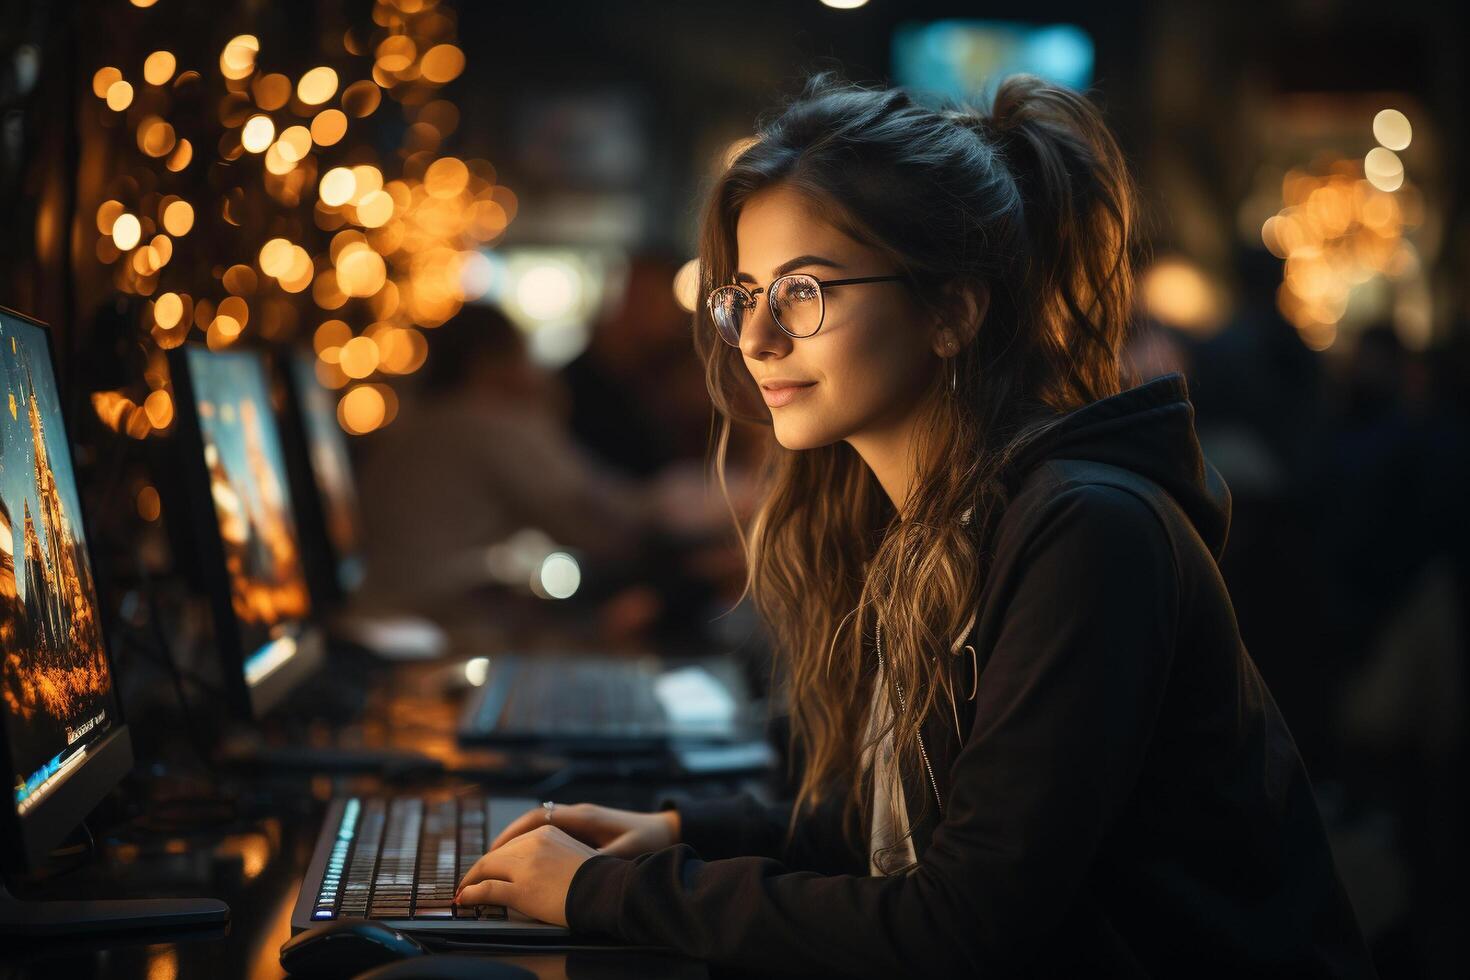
(317, 86)
(258, 133)
(238, 58)
(329, 126)
(126, 231)
(337, 187)
(119, 96)
(168, 309)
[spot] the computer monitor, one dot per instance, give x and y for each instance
(322, 477)
(62, 731)
(244, 524)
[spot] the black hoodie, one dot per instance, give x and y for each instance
(1121, 797)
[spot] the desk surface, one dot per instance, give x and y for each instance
(247, 840)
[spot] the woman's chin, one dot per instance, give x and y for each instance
(795, 436)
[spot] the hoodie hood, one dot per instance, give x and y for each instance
(1148, 429)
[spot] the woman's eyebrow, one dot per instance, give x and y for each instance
(790, 264)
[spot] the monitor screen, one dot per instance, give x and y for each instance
(57, 687)
(252, 505)
(331, 470)
(966, 59)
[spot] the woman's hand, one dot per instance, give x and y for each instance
(530, 866)
(531, 874)
(621, 833)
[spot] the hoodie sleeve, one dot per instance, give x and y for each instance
(741, 825)
(1066, 706)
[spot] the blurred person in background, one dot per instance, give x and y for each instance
(637, 398)
(638, 403)
(480, 452)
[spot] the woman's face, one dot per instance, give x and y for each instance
(866, 369)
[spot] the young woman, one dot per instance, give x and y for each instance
(1032, 740)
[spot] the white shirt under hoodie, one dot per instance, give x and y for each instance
(890, 850)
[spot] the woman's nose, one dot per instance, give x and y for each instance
(760, 336)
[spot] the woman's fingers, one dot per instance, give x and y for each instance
(529, 820)
(583, 821)
(492, 864)
(531, 874)
(487, 892)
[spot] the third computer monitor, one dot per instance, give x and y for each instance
(245, 523)
(332, 498)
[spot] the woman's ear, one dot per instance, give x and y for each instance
(966, 305)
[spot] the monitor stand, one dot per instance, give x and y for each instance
(75, 918)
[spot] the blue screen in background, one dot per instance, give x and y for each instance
(966, 59)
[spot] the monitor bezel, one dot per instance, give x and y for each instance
(28, 839)
(248, 702)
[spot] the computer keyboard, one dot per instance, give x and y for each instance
(402, 858)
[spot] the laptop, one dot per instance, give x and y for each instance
(590, 703)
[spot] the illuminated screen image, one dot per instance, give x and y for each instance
(331, 469)
(55, 680)
(965, 59)
(247, 484)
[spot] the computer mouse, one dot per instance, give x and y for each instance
(345, 949)
(449, 966)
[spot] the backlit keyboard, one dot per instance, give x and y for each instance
(402, 858)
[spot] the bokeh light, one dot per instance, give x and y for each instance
(126, 231)
(1391, 129)
(317, 86)
(391, 241)
(119, 96)
(159, 67)
(258, 133)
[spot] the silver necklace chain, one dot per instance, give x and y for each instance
(878, 637)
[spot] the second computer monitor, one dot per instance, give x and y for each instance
(245, 523)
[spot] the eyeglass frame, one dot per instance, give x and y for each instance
(822, 285)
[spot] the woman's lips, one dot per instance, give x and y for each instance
(784, 394)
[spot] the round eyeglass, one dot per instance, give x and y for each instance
(795, 301)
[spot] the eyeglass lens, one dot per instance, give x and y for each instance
(795, 302)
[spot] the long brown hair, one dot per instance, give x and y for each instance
(1033, 200)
